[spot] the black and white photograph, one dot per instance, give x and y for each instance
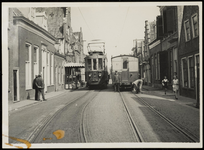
(102, 75)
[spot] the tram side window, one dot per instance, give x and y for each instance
(89, 64)
(125, 63)
(100, 63)
(94, 64)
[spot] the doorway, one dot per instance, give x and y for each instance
(15, 86)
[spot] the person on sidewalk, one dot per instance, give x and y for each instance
(35, 87)
(175, 86)
(40, 85)
(164, 84)
(137, 85)
(116, 82)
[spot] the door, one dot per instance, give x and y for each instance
(15, 85)
(164, 65)
(125, 70)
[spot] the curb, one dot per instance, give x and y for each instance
(34, 103)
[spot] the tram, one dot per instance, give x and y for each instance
(127, 67)
(96, 65)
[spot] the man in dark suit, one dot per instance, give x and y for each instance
(40, 85)
(35, 87)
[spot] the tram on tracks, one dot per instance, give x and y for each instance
(127, 67)
(96, 65)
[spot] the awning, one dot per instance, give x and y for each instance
(74, 65)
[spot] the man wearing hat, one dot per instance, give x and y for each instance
(40, 86)
(116, 81)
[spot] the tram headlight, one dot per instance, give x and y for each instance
(99, 74)
(89, 74)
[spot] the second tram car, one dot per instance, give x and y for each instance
(96, 71)
(127, 67)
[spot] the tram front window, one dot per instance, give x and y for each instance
(100, 64)
(89, 64)
(94, 64)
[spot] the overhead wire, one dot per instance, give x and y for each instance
(86, 22)
(123, 25)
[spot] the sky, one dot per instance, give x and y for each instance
(117, 25)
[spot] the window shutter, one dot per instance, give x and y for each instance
(159, 27)
(169, 20)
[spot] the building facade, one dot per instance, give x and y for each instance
(164, 49)
(31, 52)
(40, 41)
(188, 55)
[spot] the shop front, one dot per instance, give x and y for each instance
(73, 75)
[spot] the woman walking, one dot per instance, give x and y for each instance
(175, 86)
(164, 84)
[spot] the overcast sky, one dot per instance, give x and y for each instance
(117, 25)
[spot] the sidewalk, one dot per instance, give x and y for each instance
(29, 102)
(170, 94)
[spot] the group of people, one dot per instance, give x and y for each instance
(38, 85)
(175, 85)
(137, 85)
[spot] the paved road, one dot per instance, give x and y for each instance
(100, 116)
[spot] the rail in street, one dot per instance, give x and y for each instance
(181, 130)
(36, 136)
(135, 128)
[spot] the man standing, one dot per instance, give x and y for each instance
(116, 81)
(35, 87)
(40, 85)
(137, 85)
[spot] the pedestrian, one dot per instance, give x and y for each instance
(175, 86)
(116, 81)
(137, 85)
(35, 87)
(165, 84)
(40, 85)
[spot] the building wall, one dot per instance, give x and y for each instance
(186, 49)
(12, 47)
(155, 49)
(25, 36)
(59, 72)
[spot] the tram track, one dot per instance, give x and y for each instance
(82, 128)
(137, 133)
(36, 135)
(187, 134)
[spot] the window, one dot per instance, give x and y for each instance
(194, 20)
(89, 64)
(125, 64)
(185, 72)
(48, 68)
(158, 65)
(171, 65)
(36, 61)
(187, 30)
(59, 75)
(100, 63)
(94, 64)
(52, 69)
(156, 71)
(191, 72)
(28, 66)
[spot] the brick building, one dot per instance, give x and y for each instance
(164, 49)
(188, 54)
(31, 52)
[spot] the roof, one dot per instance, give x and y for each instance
(74, 65)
